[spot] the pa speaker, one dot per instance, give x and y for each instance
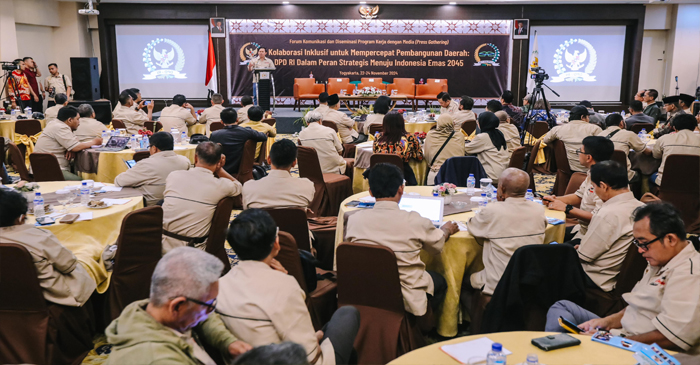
(86, 78)
(103, 109)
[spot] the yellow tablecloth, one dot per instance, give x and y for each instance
(111, 164)
(460, 257)
(7, 128)
(197, 128)
(87, 239)
(420, 127)
(360, 184)
(588, 352)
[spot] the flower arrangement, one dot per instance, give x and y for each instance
(445, 189)
(26, 187)
(421, 136)
(145, 133)
(363, 111)
(401, 111)
(369, 91)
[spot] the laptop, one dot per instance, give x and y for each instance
(427, 207)
(115, 144)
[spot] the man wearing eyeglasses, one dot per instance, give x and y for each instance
(664, 306)
(160, 330)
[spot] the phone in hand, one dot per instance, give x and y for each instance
(569, 326)
(147, 102)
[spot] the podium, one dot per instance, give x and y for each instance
(265, 87)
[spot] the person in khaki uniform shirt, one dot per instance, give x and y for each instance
(465, 113)
(583, 204)
(322, 104)
(89, 128)
(213, 113)
(58, 139)
(381, 108)
(279, 189)
(510, 131)
(447, 105)
(572, 134)
(683, 142)
(604, 246)
(622, 139)
(246, 103)
(149, 175)
(191, 196)
(505, 226)
(57, 83)
(255, 116)
(259, 288)
(133, 120)
(179, 115)
(405, 233)
(664, 306)
(490, 146)
(437, 140)
(346, 126)
(325, 141)
(51, 113)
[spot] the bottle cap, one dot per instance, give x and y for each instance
(37, 194)
(471, 175)
(84, 183)
(496, 346)
(529, 190)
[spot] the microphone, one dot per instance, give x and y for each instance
(676, 78)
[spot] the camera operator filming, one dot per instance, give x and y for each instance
(17, 88)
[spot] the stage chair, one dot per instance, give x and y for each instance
(372, 81)
(152, 126)
(404, 87)
(118, 124)
(563, 169)
(216, 126)
(429, 91)
(218, 230)
(386, 158)
(45, 167)
(306, 89)
(331, 189)
(339, 83)
(637, 127)
(468, 127)
(680, 186)
(517, 158)
(17, 161)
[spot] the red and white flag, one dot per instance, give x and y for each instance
(210, 78)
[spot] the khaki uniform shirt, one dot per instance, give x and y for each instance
(89, 129)
(62, 278)
(604, 246)
(684, 142)
(625, 141)
(451, 109)
(572, 134)
(666, 299)
(279, 189)
(327, 145)
(346, 126)
(52, 112)
(132, 119)
(372, 119)
(504, 227)
(254, 290)
(590, 202)
(211, 115)
(262, 128)
(243, 114)
(258, 63)
(323, 109)
(190, 201)
(57, 138)
(55, 85)
(148, 175)
(175, 116)
(434, 140)
(512, 136)
(462, 116)
(405, 233)
(493, 160)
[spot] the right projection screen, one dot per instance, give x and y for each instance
(583, 62)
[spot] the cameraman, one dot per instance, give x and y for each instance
(18, 89)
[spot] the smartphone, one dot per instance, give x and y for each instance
(129, 164)
(553, 342)
(353, 203)
(147, 102)
(569, 326)
(69, 218)
(45, 220)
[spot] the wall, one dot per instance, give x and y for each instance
(683, 46)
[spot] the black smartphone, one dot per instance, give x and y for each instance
(45, 220)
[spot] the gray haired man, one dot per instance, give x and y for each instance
(160, 329)
(89, 128)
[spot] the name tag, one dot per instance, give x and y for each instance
(264, 75)
(371, 80)
(339, 80)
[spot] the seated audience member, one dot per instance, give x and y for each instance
(683, 142)
(191, 197)
(572, 134)
(673, 110)
(509, 130)
(526, 104)
(447, 105)
(494, 106)
(149, 175)
(279, 189)
(179, 115)
(59, 140)
(346, 126)
(639, 96)
(212, 114)
(637, 115)
(328, 147)
(259, 287)
(593, 117)
(490, 146)
(232, 139)
(405, 233)
(623, 140)
(465, 113)
(538, 113)
(255, 116)
(322, 104)
(514, 112)
(133, 120)
(381, 107)
(136, 96)
(685, 102)
(442, 143)
(395, 140)
(285, 353)
(663, 307)
(604, 246)
(505, 226)
(89, 128)
(246, 103)
(51, 113)
(160, 329)
(592, 151)
(651, 109)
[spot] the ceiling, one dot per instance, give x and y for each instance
(413, 2)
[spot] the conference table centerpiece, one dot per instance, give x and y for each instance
(445, 190)
(369, 91)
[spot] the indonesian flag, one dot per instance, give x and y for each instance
(210, 78)
(534, 62)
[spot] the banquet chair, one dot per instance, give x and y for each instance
(293, 221)
(680, 186)
(269, 121)
(517, 158)
(368, 279)
(540, 129)
(456, 170)
(141, 155)
(152, 126)
(306, 89)
(245, 170)
(637, 127)
(620, 157)
(217, 232)
(469, 127)
(118, 124)
(216, 126)
(564, 172)
(348, 148)
(262, 157)
(577, 178)
(331, 125)
(29, 128)
(372, 82)
(339, 83)
(322, 301)
(4, 178)
(139, 250)
(45, 167)
(16, 159)
(531, 164)
(429, 91)
(374, 128)
(389, 158)
(331, 189)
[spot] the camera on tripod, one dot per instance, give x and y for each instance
(539, 75)
(10, 66)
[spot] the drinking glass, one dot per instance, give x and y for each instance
(63, 197)
(342, 91)
(74, 193)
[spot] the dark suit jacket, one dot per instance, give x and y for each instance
(653, 111)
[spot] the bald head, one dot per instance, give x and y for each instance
(513, 183)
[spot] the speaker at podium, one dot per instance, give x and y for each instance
(86, 78)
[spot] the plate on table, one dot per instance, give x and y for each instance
(98, 204)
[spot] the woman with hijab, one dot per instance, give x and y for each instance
(442, 143)
(381, 107)
(489, 146)
(397, 141)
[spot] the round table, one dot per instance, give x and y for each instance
(87, 239)
(197, 128)
(588, 352)
(363, 152)
(7, 127)
(461, 256)
(420, 127)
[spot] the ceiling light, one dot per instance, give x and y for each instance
(285, 2)
(453, 3)
(363, 2)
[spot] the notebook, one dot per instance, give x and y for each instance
(427, 207)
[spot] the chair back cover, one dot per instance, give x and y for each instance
(118, 124)
(216, 126)
(141, 155)
(245, 169)
(27, 127)
(292, 221)
(456, 170)
(289, 258)
(218, 230)
(45, 167)
(517, 158)
(17, 161)
(680, 186)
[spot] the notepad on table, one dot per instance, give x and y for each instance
(464, 351)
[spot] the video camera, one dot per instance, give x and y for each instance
(10, 66)
(539, 75)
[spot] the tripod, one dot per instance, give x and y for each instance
(8, 76)
(537, 94)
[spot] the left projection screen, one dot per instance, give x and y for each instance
(163, 60)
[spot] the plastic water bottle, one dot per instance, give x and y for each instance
(471, 182)
(623, 114)
(146, 142)
(532, 360)
(105, 137)
(484, 200)
(38, 205)
(132, 142)
(84, 194)
(311, 75)
(176, 135)
(496, 355)
(184, 140)
(529, 195)
(115, 133)
(490, 192)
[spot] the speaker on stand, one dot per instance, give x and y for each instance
(86, 78)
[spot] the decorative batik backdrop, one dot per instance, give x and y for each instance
(473, 55)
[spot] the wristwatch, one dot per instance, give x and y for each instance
(569, 207)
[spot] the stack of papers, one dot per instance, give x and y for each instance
(470, 350)
(116, 201)
(111, 188)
